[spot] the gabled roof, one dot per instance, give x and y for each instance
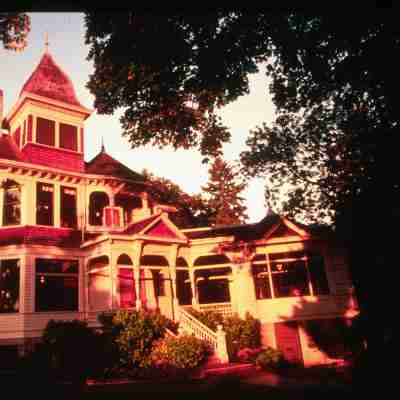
(240, 232)
(9, 150)
(104, 164)
(48, 80)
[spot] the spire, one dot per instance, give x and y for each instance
(46, 42)
(103, 149)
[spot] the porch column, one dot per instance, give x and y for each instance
(172, 271)
(195, 303)
(136, 275)
(246, 297)
(136, 254)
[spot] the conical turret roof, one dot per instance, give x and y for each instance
(48, 80)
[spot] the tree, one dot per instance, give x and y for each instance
(171, 73)
(14, 28)
(223, 189)
(192, 210)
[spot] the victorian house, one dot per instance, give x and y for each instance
(78, 238)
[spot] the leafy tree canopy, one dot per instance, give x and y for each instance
(192, 210)
(334, 84)
(14, 28)
(171, 73)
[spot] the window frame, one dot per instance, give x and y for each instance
(40, 277)
(3, 286)
(52, 208)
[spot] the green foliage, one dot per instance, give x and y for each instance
(14, 28)
(192, 210)
(271, 359)
(171, 73)
(223, 189)
(134, 333)
(240, 333)
(210, 319)
(181, 353)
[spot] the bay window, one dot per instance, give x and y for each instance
(9, 286)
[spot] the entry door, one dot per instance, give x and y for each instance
(288, 341)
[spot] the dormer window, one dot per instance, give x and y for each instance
(45, 131)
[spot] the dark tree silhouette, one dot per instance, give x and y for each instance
(224, 189)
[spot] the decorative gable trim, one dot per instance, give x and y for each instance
(298, 232)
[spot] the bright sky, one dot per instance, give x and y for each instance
(184, 167)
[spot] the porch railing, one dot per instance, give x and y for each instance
(190, 324)
(221, 308)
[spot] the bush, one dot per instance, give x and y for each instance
(271, 359)
(240, 333)
(71, 349)
(133, 333)
(179, 355)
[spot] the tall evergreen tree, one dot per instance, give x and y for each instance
(223, 189)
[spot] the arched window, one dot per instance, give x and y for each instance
(126, 282)
(11, 203)
(128, 202)
(97, 201)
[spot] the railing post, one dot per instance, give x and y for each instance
(222, 349)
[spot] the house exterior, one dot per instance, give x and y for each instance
(78, 238)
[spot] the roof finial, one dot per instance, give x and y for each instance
(46, 42)
(103, 149)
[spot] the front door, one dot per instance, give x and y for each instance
(288, 341)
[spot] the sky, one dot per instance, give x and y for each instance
(183, 167)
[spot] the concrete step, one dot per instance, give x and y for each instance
(240, 369)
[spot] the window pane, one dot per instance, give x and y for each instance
(261, 281)
(68, 207)
(127, 292)
(98, 200)
(289, 278)
(45, 131)
(318, 277)
(69, 137)
(12, 205)
(56, 293)
(44, 208)
(9, 286)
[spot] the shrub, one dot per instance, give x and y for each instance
(179, 355)
(271, 359)
(72, 349)
(133, 333)
(210, 319)
(240, 333)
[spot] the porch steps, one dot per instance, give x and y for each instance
(239, 369)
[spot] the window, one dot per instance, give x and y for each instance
(127, 292)
(9, 286)
(44, 204)
(98, 200)
(11, 203)
(68, 207)
(289, 274)
(158, 282)
(68, 137)
(56, 285)
(45, 131)
(318, 277)
(261, 281)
